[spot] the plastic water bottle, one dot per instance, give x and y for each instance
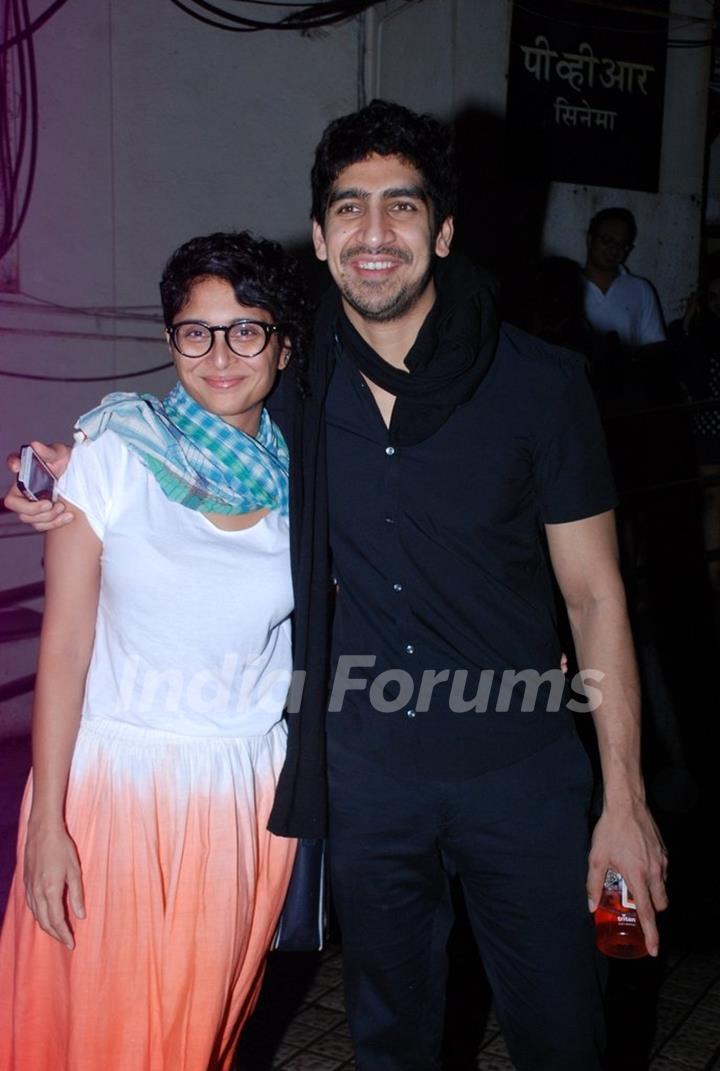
(618, 931)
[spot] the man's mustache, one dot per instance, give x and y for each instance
(382, 251)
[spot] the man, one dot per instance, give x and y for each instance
(451, 447)
(616, 302)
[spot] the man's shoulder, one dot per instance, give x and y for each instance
(529, 359)
(527, 377)
(634, 285)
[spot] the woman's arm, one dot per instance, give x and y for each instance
(72, 585)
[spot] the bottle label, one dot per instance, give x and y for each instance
(626, 896)
(615, 884)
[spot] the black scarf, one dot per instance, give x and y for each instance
(452, 352)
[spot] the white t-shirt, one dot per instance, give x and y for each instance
(630, 308)
(193, 629)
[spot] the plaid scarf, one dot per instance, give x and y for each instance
(197, 458)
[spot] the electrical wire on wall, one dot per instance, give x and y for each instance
(19, 92)
(37, 378)
(145, 315)
(307, 17)
(666, 20)
(19, 131)
(138, 313)
(18, 114)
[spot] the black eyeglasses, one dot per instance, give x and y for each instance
(608, 242)
(246, 338)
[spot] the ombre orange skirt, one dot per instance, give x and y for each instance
(183, 890)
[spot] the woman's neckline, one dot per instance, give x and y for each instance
(236, 522)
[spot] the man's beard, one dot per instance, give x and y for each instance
(396, 303)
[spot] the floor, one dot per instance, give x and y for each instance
(663, 1016)
(315, 1037)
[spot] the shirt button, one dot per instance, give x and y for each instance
(397, 587)
(389, 520)
(410, 713)
(409, 649)
(389, 450)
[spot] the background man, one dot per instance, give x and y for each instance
(617, 302)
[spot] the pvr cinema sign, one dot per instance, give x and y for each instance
(585, 93)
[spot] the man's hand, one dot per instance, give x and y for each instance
(627, 840)
(43, 516)
(52, 868)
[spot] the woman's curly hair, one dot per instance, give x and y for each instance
(262, 276)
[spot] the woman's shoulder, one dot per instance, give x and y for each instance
(98, 464)
(108, 444)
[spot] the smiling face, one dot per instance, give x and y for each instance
(233, 388)
(378, 238)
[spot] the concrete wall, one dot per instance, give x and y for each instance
(154, 127)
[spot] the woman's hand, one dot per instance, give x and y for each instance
(43, 516)
(52, 868)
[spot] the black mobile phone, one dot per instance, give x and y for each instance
(35, 479)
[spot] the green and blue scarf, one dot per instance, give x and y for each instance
(197, 458)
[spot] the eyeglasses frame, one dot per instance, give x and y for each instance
(607, 241)
(269, 329)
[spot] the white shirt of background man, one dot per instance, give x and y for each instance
(630, 308)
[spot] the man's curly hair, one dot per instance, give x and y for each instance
(387, 129)
(261, 274)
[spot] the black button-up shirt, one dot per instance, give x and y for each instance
(439, 556)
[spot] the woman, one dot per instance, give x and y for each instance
(152, 887)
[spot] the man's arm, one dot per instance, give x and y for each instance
(652, 325)
(43, 516)
(585, 559)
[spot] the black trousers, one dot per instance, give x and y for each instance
(518, 840)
